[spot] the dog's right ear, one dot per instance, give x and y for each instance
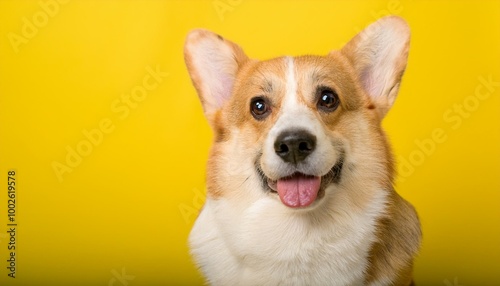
(213, 63)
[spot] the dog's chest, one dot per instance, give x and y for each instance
(265, 244)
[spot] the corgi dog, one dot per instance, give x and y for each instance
(300, 174)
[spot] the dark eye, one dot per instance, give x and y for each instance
(328, 100)
(259, 108)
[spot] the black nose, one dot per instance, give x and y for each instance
(295, 145)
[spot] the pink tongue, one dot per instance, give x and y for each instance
(298, 190)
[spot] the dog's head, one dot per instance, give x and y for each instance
(299, 128)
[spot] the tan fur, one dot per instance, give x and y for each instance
(366, 94)
(398, 240)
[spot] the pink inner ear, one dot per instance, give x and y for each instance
(380, 55)
(371, 84)
(225, 89)
(379, 74)
(217, 68)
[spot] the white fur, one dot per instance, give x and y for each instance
(266, 243)
(294, 115)
(248, 237)
(291, 84)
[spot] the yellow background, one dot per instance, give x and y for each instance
(128, 206)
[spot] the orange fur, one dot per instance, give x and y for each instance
(366, 85)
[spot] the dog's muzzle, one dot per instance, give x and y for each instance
(299, 190)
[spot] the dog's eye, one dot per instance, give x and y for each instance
(328, 100)
(259, 108)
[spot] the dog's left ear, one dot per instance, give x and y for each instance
(213, 63)
(379, 54)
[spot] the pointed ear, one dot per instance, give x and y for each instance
(213, 63)
(379, 55)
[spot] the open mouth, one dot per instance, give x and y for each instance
(302, 190)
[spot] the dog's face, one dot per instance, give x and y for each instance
(298, 128)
